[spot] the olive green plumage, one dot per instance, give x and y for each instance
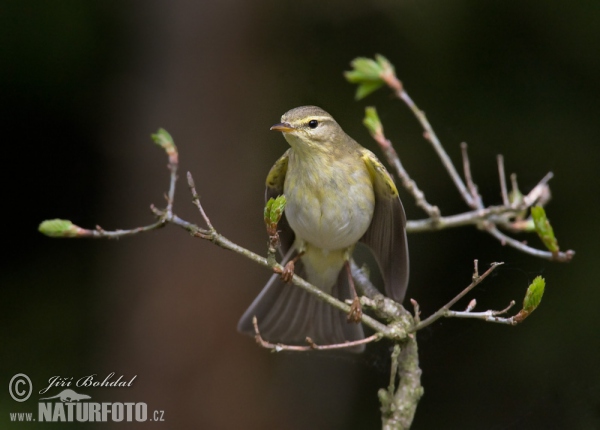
(338, 193)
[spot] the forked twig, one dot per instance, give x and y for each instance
(477, 279)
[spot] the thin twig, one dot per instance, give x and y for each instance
(410, 185)
(560, 256)
(494, 214)
(196, 201)
(100, 233)
(437, 146)
(502, 176)
(416, 310)
(515, 191)
(173, 166)
(481, 216)
(475, 196)
(312, 346)
(488, 316)
(538, 191)
(442, 311)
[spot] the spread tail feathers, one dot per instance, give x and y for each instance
(288, 314)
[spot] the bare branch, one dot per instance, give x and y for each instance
(538, 191)
(312, 346)
(196, 201)
(494, 214)
(437, 146)
(443, 310)
(486, 218)
(488, 316)
(560, 256)
(407, 182)
(399, 401)
(100, 233)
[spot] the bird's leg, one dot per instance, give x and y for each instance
(288, 270)
(355, 308)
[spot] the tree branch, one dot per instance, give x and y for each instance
(312, 346)
(487, 219)
(477, 279)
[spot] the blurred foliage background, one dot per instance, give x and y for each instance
(83, 85)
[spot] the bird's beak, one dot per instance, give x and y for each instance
(283, 126)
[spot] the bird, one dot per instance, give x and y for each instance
(337, 194)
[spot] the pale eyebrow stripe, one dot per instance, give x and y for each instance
(319, 118)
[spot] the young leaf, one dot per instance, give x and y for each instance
(163, 139)
(544, 229)
(367, 73)
(274, 211)
(367, 88)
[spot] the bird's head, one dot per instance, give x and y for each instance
(310, 127)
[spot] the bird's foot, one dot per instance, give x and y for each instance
(288, 271)
(356, 312)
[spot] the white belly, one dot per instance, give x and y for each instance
(329, 210)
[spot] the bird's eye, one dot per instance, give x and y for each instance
(313, 123)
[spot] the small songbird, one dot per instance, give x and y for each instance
(338, 193)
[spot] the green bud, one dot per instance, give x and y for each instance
(372, 122)
(544, 229)
(515, 197)
(534, 294)
(58, 228)
(274, 210)
(163, 139)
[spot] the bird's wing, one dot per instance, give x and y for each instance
(386, 235)
(275, 181)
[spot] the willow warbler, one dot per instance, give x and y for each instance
(338, 193)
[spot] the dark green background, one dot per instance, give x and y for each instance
(82, 86)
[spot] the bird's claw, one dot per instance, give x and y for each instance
(288, 271)
(356, 312)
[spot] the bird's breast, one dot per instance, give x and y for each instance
(330, 203)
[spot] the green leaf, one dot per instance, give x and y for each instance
(364, 69)
(544, 229)
(385, 64)
(58, 228)
(368, 74)
(534, 294)
(372, 122)
(367, 88)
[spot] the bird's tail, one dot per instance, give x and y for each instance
(288, 314)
